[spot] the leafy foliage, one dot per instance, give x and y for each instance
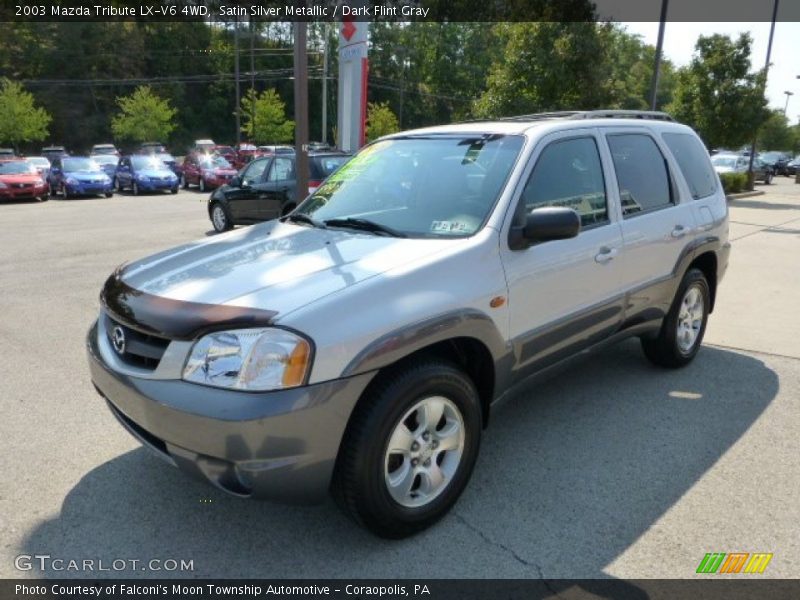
(717, 95)
(264, 117)
(775, 133)
(20, 120)
(733, 183)
(143, 117)
(380, 120)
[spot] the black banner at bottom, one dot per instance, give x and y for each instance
(433, 589)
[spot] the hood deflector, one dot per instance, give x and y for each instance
(175, 319)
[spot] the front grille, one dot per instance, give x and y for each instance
(23, 186)
(140, 349)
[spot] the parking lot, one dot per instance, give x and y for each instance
(617, 469)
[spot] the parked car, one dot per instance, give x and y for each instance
(735, 163)
(777, 161)
(104, 149)
(7, 153)
(107, 162)
(226, 152)
(170, 161)
(41, 164)
(267, 189)
(272, 150)
(151, 148)
(360, 344)
(79, 176)
(245, 152)
(144, 173)
(793, 165)
(53, 152)
(207, 171)
(19, 180)
(205, 145)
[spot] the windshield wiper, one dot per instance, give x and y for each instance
(302, 218)
(364, 225)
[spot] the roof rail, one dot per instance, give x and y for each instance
(593, 114)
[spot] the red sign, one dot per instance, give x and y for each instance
(348, 29)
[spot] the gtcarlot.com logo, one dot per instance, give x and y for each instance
(734, 562)
(46, 562)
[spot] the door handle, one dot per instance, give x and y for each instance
(605, 255)
(678, 232)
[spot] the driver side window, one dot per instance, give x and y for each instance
(255, 172)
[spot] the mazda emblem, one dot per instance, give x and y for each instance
(118, 340)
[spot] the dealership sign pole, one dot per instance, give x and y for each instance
(352, 94)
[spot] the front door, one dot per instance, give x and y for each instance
(243, 200)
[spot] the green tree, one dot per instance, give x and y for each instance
(20, 120)
(718, 95)
(264, 117)
(545, 66)
(775, 133)
(143, 116)
(380, 120)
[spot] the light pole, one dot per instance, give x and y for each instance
(786, 106)
(659, 46)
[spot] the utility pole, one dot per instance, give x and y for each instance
(236, 70)
(301, 110)
(326, 38)
(750, 176)
(659, 47)
(253, 80)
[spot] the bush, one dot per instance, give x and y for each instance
(733, 183)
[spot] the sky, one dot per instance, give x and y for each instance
(679, 40)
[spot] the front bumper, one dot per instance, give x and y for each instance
(279, 445)
(87, 189)
(153, 186)
(16, 192)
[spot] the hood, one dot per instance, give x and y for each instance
(721, 170)
(222, 172)
(21, 178)
(273, 266)
(156, 173)
(87, 176)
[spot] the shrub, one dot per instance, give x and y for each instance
(733, 183)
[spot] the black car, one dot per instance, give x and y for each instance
(777, 160)
(793, 166)
(266, 188)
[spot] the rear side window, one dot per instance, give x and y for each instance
(642, 174)
(569, 173)
(693, 161)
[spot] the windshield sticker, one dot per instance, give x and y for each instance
(449, 227)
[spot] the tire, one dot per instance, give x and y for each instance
(768, 178)
(398, 494)
(220, 218)
(118, 185)
(682, 331)
(174, 190)
(184, 183)
(135, 189)
(202, 185)
(64, 191)
(108, 194)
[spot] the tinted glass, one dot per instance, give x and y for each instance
(436, 186)
(255, 171)
(214, 162)
(105, 159)
(282, 169)
(16, 168)
(694, 164)
(147, 162)
(569, 173)
(641, 173)
(80, 164)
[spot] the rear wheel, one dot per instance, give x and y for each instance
(768, 178)
(219, 218)
(683, 328)
(410, 449)
(202, 185)
(135, 189)
(118, 185)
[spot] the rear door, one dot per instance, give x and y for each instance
(657, 222)
(278, 190)
(565, 295)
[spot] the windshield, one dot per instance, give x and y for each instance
(79, 164)
(39, 160)
(101, 149)
(164, 157)
(420, 186)
(16, 167)
(105, 159)
(148, 162)
(724, 161)
(214, 162)
(328, 164)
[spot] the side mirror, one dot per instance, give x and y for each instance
(235, 181)
(546, 224)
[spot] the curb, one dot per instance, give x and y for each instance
(740, 195)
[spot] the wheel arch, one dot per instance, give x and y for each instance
(707, 264)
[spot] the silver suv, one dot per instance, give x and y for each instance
(358, 344)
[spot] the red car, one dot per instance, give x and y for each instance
(207, 171)
(227, 152)
(20, 180)
(245, 152)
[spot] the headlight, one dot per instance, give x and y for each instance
(249, 359)
(72, 181)
(143, 178)
(38, 182)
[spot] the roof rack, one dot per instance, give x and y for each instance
(593, 114)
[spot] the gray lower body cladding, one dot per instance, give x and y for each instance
(278, 445)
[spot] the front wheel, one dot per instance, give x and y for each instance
(202, 186)
(219, 218)
(768, 178)
(683, 328)
(118, 185)
(409, 449)
(135, 189)
(108, 194)
(64, 191)
(174, 190)
(184, 183)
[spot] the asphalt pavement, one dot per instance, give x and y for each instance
(614, 469)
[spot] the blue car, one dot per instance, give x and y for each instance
(107, 162)
(78, 176)
(141, 173)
